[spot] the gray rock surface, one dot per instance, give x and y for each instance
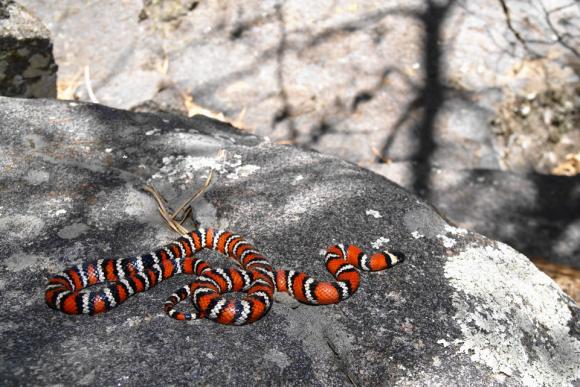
(27, 67)
(444, 84)
(537, 214)
(462, 308)
(408, 80)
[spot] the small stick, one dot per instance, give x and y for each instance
(165, 214)
(195, 195)
(175, 219)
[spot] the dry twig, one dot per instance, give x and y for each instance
(175, 219)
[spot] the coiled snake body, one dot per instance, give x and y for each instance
(123, 277)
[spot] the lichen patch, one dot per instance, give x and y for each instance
(73, 231)
(243, 171)
(21, 227)
(380, 243)
(520, 328)
(21, 261)
(447, 242)
(374, 213)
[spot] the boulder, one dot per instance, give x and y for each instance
(537, 214)
(462, 309)
(445, 84)
(418, 80)
(27, 67)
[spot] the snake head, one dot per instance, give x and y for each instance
(395, 257)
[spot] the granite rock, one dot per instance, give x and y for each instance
(537, 214)
(410, 81)
(462, 309)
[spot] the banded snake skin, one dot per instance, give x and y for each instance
(124, 277)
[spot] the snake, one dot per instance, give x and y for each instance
(120, 278)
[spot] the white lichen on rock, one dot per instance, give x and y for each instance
(58, 212)
(21, 227)
(380, 243)
(521, 328)
(243, 171)
(417, 234)
(184, 169)
(173, 167)
(20, 261)
(455, 230)
(447, 242)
